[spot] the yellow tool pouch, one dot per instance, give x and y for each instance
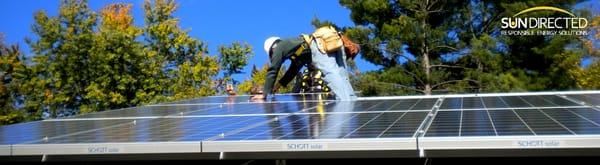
(328, 39)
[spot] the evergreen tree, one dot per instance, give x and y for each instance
(12, 70)
(179, 66)
(232, 59)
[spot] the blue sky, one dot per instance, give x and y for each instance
(215, 22)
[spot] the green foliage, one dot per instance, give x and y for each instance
(455, 46)
(116, 61)
(589, 77)
(411, 31)
(257, 80)
(86, 62)
(388, 82)
(62, 54)
(12, 70)
(232, 59)
(179, 67)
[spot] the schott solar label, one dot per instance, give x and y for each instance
(103, 150)
(537, 143)
(304, 146)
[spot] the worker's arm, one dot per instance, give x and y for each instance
(290, 73)
(276, 61)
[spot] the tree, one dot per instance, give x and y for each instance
(257, 80)
(12, 69)
(62, 55)
(544, 60)
(233, 58)
(179, 67)
(589, 77)
(116, 61)
(412, 31)
(441, 54)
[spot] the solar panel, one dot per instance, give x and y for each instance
(246, 98)
(313, 125)
(40, 130)
(588, 99)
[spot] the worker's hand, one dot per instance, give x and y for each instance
(257, 98)
(230, 90)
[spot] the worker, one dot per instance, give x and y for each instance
(302, 52)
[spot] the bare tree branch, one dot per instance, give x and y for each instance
(414, 75)
(445, 46)
(400, 86)
(400, 54)
(448, 66)
(453, 81)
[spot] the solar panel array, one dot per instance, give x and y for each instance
(313, 125)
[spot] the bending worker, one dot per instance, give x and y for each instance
(300, 52)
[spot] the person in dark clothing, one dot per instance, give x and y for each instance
(303, 54)
(280, 50)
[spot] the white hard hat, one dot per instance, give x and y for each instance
(269, 42)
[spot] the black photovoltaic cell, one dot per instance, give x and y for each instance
(198, 110)
(36, 131)
(162, 129)
(506, 102)
(394, 105)
(297, 117)
(425, 104)
(540, 123)
(513, 122)
(452, 103)
(587, 113)
(494, 102)
(476, 123)
(263, 108)
(548, 101)
(405, 125)
(506, 122)
(385, 105)
(149, 111)
(333, 126)
(515, 101)
(574, 121)
(389, 125)
(471, 103)
(246, 99)
(589, 99)
(313, 126)
(558, 101)
(445, 123)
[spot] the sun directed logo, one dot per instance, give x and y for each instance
(518, 25)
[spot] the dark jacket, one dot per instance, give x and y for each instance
(285, 50)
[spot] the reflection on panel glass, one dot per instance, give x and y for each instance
(587, 99)
(310, 118)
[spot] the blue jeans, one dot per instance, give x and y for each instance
(333, 67)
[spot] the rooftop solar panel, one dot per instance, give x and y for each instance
(588, 99)
(425, 126)
(246, 98)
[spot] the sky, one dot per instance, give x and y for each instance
(216, 22)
